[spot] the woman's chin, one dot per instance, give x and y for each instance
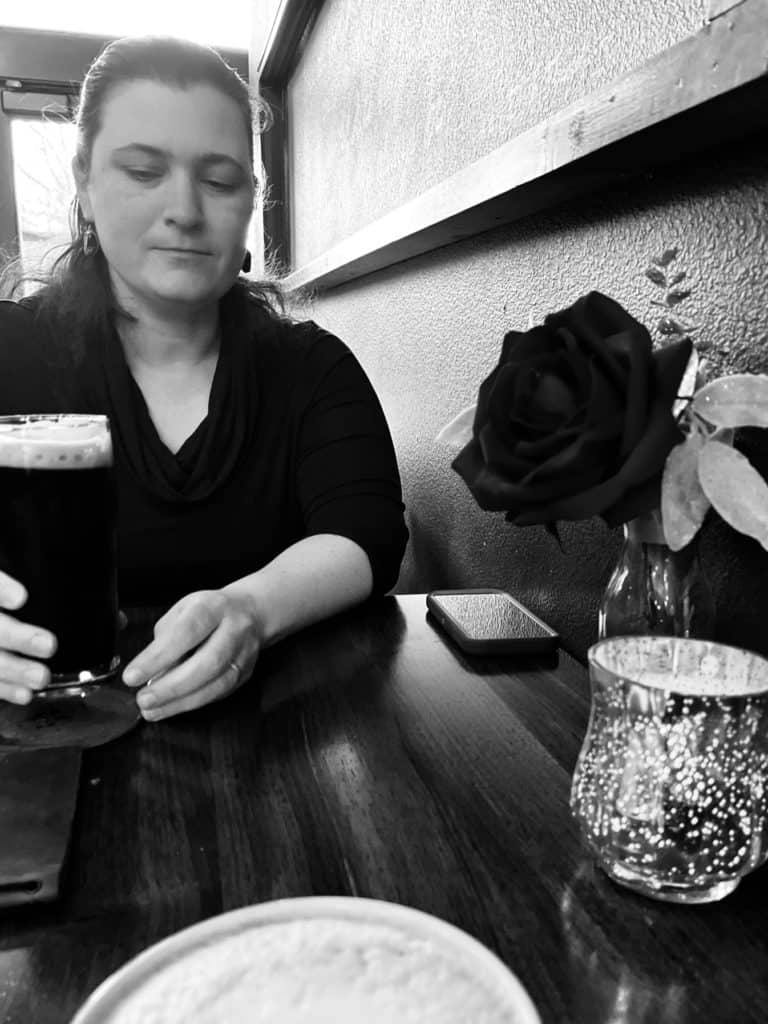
(185, 292)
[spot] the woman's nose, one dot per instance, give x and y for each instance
(183, 206)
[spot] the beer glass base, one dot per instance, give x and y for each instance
(670, 892)
(65, 684)
(72, 713)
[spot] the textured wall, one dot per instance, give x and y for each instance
(391, 98)
(427, 331)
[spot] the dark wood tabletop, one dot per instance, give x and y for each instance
(369, 757)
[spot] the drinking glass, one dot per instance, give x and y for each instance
(671, 785)
(57, 538)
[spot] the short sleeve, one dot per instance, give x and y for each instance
(348, 479)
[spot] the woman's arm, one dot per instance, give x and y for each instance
(207, 644)
(311, 580)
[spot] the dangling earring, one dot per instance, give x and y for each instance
(90, 240)
(247, 262)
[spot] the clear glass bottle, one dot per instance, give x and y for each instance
(654, 590)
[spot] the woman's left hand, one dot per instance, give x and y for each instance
(204, 647)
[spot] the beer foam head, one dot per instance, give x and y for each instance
(304, 972)
(55, 442)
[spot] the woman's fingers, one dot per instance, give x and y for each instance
(20, 677)
(216, 667)
(21, 672)
(206, 663)
(12, 594)
(174, 637)
(24, 638)
(15, 694)
(173, 701)
(203, 648)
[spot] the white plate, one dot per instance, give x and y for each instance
(170, 971)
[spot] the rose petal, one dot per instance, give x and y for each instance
(635, 347)
(518, 346)
(669, 365)
(633, 502)
(492, 492)
(547, 460)
(603, 401)
(644, 462)
(593, 318)
(586, 450)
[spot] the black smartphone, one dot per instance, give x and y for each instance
(490, 622)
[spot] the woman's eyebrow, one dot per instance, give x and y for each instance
(204, 158)
(131, 147)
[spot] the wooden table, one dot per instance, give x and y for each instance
(377, 760)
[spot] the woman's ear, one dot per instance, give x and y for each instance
(81, 185)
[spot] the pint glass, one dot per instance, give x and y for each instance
(57, 538)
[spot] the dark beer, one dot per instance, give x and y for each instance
(57, 536)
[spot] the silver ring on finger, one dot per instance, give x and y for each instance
(237, 670)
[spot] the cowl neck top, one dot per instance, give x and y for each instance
(295, 444)
(210, 454)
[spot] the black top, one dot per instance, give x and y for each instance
(295, 443)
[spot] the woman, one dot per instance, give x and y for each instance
(257, 484)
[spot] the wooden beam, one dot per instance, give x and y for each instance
(706, 91)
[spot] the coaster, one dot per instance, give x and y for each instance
(37, 805)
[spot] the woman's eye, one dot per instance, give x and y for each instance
(219, 185)
(143, 173)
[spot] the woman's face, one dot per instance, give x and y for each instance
(170, 191)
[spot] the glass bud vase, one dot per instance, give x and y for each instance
(654, 590)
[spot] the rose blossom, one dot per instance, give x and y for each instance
(576, 420)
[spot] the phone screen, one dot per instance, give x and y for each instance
(490, 621)
(491, 616)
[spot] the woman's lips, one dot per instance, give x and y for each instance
(181, 251)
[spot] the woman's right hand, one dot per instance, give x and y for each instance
(20, 644)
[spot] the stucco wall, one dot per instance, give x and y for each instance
(391, 98)
(427, 331)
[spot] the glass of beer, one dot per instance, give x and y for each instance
(57, 538)
(671, 785)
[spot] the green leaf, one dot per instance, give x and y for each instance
(666, 257)
(681, 276)
(459, 431)
(683, 502)
(677, 295)
(740, 400)
(657, 276)
(736, 489)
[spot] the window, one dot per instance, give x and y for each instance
(42, 148)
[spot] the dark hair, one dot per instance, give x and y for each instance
(78, 289)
